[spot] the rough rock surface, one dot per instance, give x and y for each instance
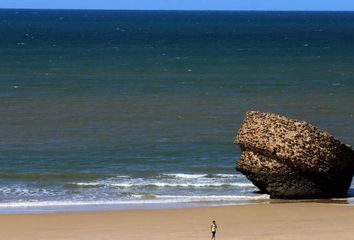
(288, 158)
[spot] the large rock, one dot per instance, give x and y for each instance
(288, 158)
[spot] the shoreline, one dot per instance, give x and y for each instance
(258, 221)
(78, 207)
(107, 207)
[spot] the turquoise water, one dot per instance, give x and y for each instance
(141, 107)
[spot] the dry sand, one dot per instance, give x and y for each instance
(265, 221)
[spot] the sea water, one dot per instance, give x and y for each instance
(136, 109)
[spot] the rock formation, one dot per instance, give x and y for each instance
(288, 158)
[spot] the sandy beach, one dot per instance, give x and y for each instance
(264, 221)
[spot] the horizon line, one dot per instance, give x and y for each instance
(181, 10)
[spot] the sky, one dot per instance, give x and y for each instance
(302, 5)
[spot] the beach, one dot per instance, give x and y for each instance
(259, 221)
(128, 107)
(120, 124)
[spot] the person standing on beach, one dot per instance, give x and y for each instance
(213, 229)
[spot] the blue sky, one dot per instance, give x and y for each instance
(347, 5)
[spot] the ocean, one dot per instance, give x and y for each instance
(139, 109)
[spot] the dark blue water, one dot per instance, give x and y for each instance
(136, 107)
